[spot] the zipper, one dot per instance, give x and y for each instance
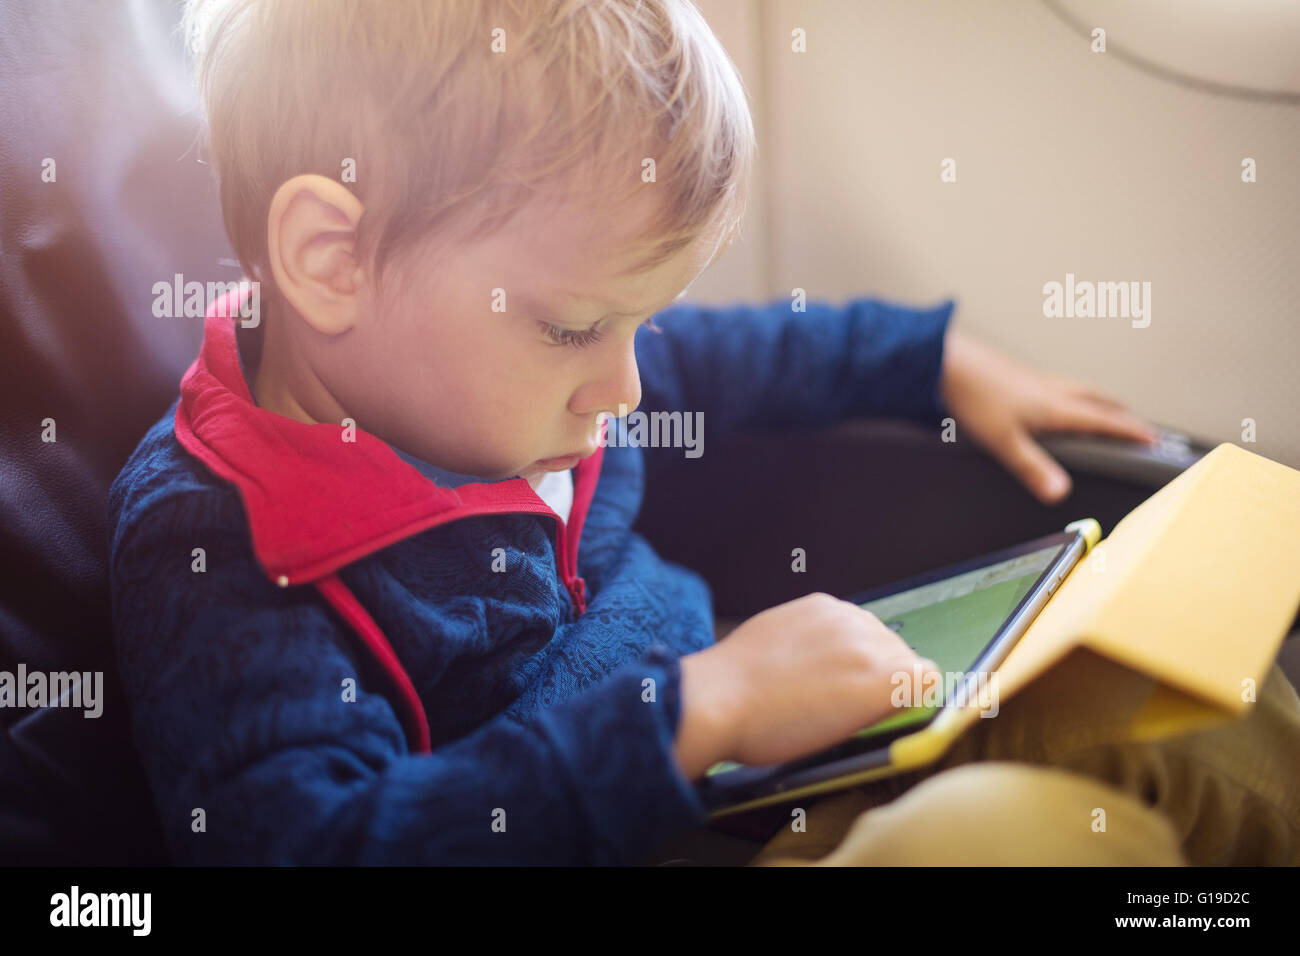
(566, 557)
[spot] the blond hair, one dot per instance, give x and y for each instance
(450, 134)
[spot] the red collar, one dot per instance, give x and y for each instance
(316, 503)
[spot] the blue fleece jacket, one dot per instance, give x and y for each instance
(332, 656)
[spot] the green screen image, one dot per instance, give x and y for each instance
(951, 622)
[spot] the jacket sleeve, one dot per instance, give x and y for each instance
(256, 754)
(746, 366)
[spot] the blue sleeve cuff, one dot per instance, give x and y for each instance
(617, 743)
(664, 665)
(898, 356)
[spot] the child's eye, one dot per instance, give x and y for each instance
(584, 337)
(576, 339)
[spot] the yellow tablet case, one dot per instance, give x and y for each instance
(1189, 598)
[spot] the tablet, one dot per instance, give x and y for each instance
(965, 617)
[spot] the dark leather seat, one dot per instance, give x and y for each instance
(99, 89)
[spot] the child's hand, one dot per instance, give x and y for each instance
(1001, 403)
(790, 681)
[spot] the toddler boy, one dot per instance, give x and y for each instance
(377, 597)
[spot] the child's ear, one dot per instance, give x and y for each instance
(311, 234)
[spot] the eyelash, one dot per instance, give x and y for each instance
(570, 338)
(583, 338)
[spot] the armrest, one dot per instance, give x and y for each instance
(869, 502)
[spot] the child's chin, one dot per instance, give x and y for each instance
(530, 471)
(556, 464)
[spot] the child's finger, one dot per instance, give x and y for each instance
(1089, 393)
(1034, 467)
(1105, 421)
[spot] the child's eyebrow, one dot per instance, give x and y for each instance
(530, 303)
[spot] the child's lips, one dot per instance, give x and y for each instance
(563, 462)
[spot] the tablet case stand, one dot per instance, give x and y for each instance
(1167, 626)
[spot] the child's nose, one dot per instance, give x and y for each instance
(616, 390)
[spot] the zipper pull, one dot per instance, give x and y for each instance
(578, 591)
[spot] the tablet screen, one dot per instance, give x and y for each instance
(952, 621)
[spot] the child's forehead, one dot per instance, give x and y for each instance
(600, 287)
(608, 235)
(570, 257)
